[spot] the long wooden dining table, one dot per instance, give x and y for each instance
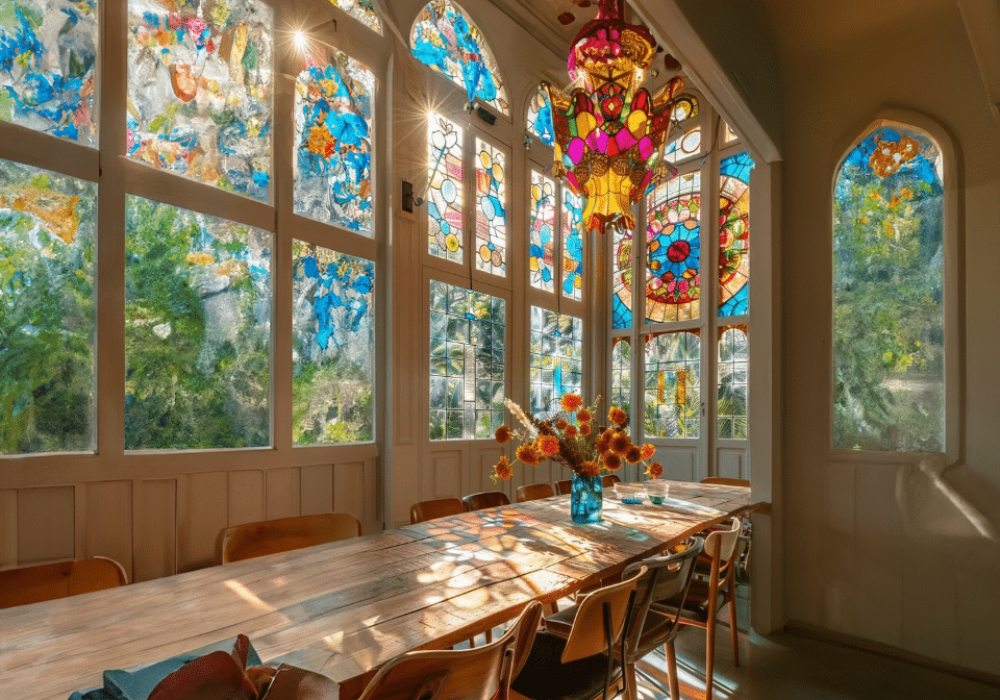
(345, 608)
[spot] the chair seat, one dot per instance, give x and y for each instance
(582, 679)
(696, 605)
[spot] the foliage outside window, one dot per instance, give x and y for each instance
(556, 358)
(47, 311)
(621, 375)
(197, 330)
(333, 346)
(888, 292)
(734, 368)
(673, 385)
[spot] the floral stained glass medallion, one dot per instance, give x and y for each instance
(734, 236)
(198, 299)
(572, 245)
(672, 385)
(621, 282)
(362, 10)
(48, 66)
(334, 96)
(48, 227)
(333, 346)
(673, 250)
(556, 358)
(734, 366)
(540, 118)
(445, 199)
(447, 41)
(200, 91)
(491, 209)
(467, 361)
(542, 243)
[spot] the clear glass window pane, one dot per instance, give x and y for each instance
(445, 200)
(673, 250)
(48, 67)
(48, 226)
(621, 375)
(556, 358)
(734, 238)
(572, 245)
(542, 246)
(334, 97)
(673, 385)
(540, 118)
(333, 346)
(491, 209)
(197, 330)
(621, 283)
(888, 294)
(200, 92)
(734, 371)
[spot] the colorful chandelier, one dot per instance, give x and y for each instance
(609, 131)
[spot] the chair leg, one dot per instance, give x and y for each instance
(709, 656)
(630, 679)
(675, 685)
(551, 608)
(733, 631)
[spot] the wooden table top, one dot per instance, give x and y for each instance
(345, 608)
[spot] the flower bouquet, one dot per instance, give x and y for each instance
(572, 438)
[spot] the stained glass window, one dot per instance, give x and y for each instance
(621, 283)
(48, 66)
(673, 250)
(542, 246)
(556, 358)
(333, 137)
(684, 146)
(572, 244)
(444, 39)
(673, 385)
(333, 346)
(621, 374)
(686, 107)
(48, 226)
(734, 238)
(199, 91)
(491, 209)
(467, 363)
(888, 294)
(734, 349)
(445, 201)
(197, 330)
(362, 10)
(540, 118)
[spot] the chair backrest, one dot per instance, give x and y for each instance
(486, 499)
(438, 508)
(564, 487)
(721, 545)
(285, 534)
(588, 634)
(35, 584)
(609, 480)
(532, 492)
(725, 481)
(482, 673)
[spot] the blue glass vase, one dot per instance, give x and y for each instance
(586, 500)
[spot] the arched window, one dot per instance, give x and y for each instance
(444, 39)
(362, 10)
(888, 293)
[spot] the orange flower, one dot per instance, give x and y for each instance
(503, 434)
(617, 416)
(570, 431)
(601, 445)
(503, 469)
(608, 434)
(585, 429)
(561, 424)
(648, 451)
(612, 462)
(633, 454)
(583, 415)
(527, 454)
(571, 402)
(619, 443)
(590, 468)
(548, 445)
(655, 469)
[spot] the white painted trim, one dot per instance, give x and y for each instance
(982, 23)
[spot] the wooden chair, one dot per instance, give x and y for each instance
(725, 481)
(486, 499)
(609, 480)
(35, 584)
(564, 487)
(285, 534)
(438, 508)
(532, 492)
(465, 674)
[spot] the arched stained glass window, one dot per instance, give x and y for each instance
(444, 39)
(540, 118)
(734, 238)
(362, 10)
(673, 250)
(888, 294)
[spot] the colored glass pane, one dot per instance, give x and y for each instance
(734, 238)
(362, 10)
(685, 107)
(621, 283)
(542, 245)
(556, 358)
(333, 137)
(48, 66)
(734, 368)
(888, 294)
(673, 250)
(199, 91)
(491, 209)
(48, 226)
(445, 200)
(198, 300)
(572, 244)
(683, 147)
(333, 346)
(673, 385)
(467, 363)
(621, 374)
(444, 39)
(540, 118)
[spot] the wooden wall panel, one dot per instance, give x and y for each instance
(8, 528)
(282, 495)
(46, 524)
(155, 524)
(732, 464)
(349, 491)
(202, 514)
(108, 521)
(246, 497)
(317, 490)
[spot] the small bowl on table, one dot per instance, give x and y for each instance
(630, 494)
(658, 491)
